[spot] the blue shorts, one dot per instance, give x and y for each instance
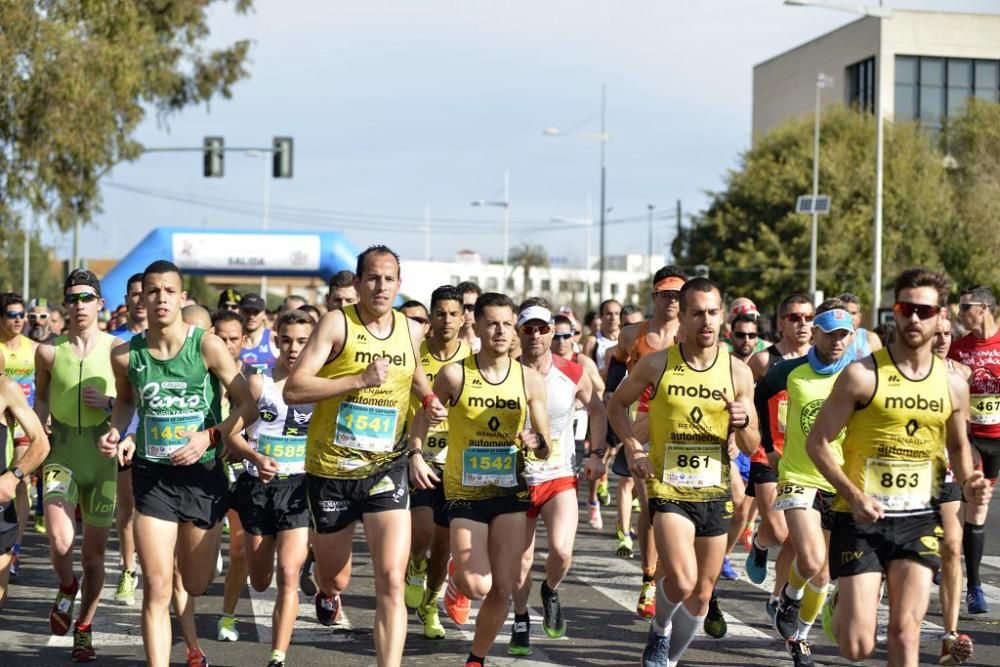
(743, 463)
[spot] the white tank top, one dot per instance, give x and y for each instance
(281, 430)
(560, 388)
(603, 344)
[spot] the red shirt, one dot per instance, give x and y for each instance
(983, 357)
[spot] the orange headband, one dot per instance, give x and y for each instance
(670, 283)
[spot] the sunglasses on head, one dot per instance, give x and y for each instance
(468, 307)
(745, 335)
(969, 304)
(565, 335)
(38, 316)
(14, 314)
(80, 297)
(799, 317)
(924, 311)
(417, 319)
(671, 294)
(532, 329)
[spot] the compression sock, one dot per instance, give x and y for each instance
(796, 584)
(812, 605)
(664, 611)
(973, 544)
(685, 627)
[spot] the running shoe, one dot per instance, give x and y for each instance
(801, 652)
(975, 600)
(635, 505)
(657, 651)
(772, 608)
(276, 663)
(727, 572)
(520, 638)
(937, 577)
(306, 582)
(15, 558)
(40, 524)
(327, 609)
(746, 538)
(647, 600)
(228, 632)
(757, 564)
(786, 620)
(955, 649)
(715, 622)
(197, 658)
(416, 579)
(553, 621)
(428, 615)
(602, 491)
(125, 593)
(61, 614)
(83, 648)
(829, 608)
(624, 548)
(596, 521)
(225, 525)
(456, 605)
(218, 564)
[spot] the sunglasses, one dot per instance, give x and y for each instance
(969, 304)
(671, 294)
(468, 307)
(38, 316)
(230, 306)
(418, 320)
(563, 336)
(14, 315)
(80, 297)
(532, 329)
(744, 335)
(923, 311)
(799, 317)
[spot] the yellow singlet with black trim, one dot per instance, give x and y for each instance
(894, 450)
(353, 435)
(689, 430)
(484, 459)
(436, 444)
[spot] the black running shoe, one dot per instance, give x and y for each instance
(306, 582)
(801, 652)
(553, 621)
(327, 609)
(786, 620)
(520, 638)
(715, 623)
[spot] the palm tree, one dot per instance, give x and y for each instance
(528, 256)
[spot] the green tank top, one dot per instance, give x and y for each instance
(70, 374)
(177, 397)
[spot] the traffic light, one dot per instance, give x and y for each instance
(282, 157)
(214, 152)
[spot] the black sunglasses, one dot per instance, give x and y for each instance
(745, 335)
(924, 311)
(80, 297)
(468, 307)
(563, 336)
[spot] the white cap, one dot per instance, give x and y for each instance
(534, 313)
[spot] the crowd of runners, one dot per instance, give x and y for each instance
(864, 460)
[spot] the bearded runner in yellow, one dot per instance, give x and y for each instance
(700, 413)
(900, 407)
(359, 368)
(489, 395)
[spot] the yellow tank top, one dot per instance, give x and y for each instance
(20, 367)
(353, 435)
(70, 374)
(484, 459)
(894, 450)
(436, 445)
(689, 430)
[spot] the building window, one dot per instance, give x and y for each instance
(546, 285)
(929, 90)
(455, 280)
(563, 286)
(492, 284)
(861, 85)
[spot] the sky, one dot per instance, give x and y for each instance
(403, 107)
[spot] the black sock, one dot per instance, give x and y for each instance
(475, 659)
(522, 618)
(973, 544)
(646, 578)
(546, 591)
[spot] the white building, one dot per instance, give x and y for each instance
(561, 285)
(922, 65)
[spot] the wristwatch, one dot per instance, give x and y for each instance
(18, 473)
(410, 453)
(599, 452)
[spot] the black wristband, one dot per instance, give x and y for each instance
(600, 451)
(744, 425)
(410, 453)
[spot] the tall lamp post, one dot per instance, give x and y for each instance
(881, 13)
(822, 81)
(602, 138)
(505, 205)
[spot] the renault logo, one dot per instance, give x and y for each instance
(696, 415)
(911, 427)
(493, 423)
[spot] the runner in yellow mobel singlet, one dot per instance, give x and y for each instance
(901, 408)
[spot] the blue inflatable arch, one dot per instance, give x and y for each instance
(237, 252)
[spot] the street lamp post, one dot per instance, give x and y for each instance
(881, 13)
(822, 81)
(603, 139)
(505, 205)
(649, 244)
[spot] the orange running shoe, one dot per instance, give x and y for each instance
(647, 600)
(746, 538)
(456, 605)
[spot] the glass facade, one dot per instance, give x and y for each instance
(929, 89)
(861, 85)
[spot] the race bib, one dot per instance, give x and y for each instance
(984, 409)
(436, 448)
(289, 452)
(901, 486)
(696, 466)
(370, 428)
(165, 434)
(794, 496)
(57, 479)
(489, 466)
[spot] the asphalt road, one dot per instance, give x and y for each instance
(598, 598)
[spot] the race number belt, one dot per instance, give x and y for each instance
(489, 466)
(901, 486)
(370, 428)
(696, 466)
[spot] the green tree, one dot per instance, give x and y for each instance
(756, 245)
(76, 79)
(527, 257)
(42, 280)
